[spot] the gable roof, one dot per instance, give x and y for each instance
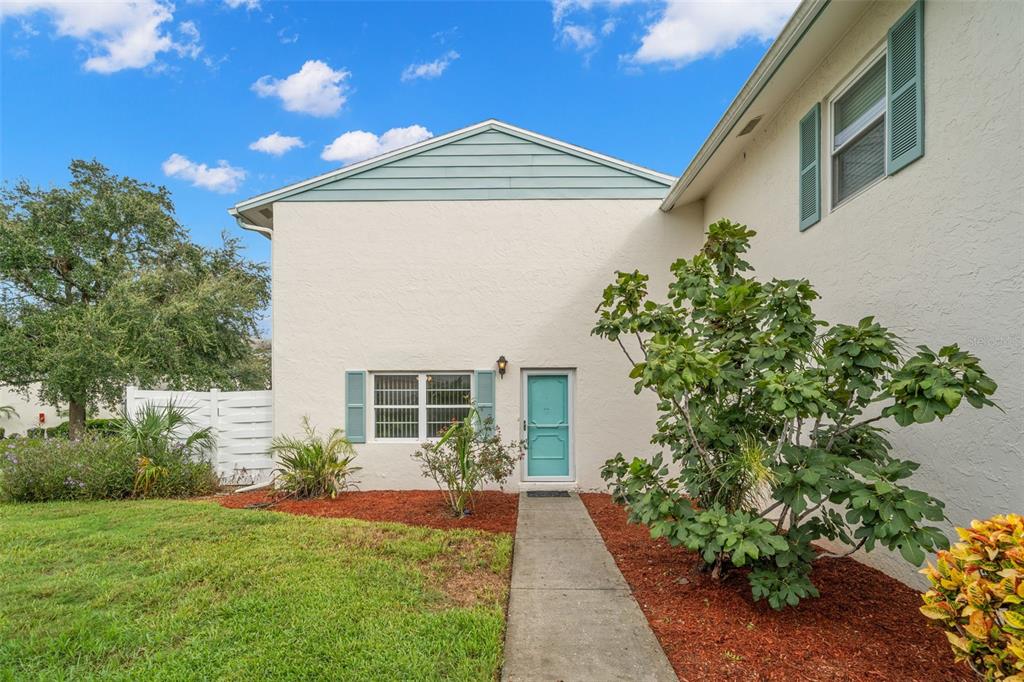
(488, 160)
(806, 39)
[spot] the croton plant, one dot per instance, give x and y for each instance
(769, 426)
(978, 596)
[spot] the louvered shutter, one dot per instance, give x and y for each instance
(485, 396)
(355, 406)
(905, 100)
(810, 168)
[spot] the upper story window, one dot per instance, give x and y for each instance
(875, 122)
(858, 133)
(417, 406)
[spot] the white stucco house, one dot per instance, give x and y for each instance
(400, 281)
(876, 149)
(30, 412)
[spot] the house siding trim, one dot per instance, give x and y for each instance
(489, 160)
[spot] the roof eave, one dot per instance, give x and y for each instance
(804, 17)
(243, 223)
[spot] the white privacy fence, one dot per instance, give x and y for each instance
(242, 422)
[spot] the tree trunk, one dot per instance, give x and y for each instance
(76, 419)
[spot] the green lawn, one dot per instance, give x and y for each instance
(189, 590)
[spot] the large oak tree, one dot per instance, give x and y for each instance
(101, 287)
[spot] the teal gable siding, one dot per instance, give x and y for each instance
(491, 164)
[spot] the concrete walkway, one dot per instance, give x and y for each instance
(571, 615)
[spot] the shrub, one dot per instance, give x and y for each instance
(152, 455)
(93, 468)
(468, 455)
(977, 595)
(37, 470)
(764, 412)
(314, 465)
(100, 427)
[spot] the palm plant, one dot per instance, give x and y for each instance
(314, 465)
(163, 438)
(156, 429)
(7, 412)
(740, 479)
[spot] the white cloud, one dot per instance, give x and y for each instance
(574, 23)
(429, 69)
(286, 38)
(316, 89)
(560, 9)
(248, 4)
(579, 37)
(687, 31)
(117, 35)
(357, 145)
(446, 35)
(27, 29)
(276, 144)
(222, 178)
(190, 46)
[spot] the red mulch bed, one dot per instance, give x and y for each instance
(494, 511)
(865, 626)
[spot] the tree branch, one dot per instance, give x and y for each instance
(817, 425)
(623, 347)
(770, 509)
(851, 427)
(833, 555)
(810, 511)
(640, 341)
(783, 439)
(782, 519)
(684, 408)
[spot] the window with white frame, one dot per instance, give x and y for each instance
(858, 133)
(417, 406)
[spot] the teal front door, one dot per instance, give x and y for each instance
(547, 425)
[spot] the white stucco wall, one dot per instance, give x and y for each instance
(28, 411)
(935, 252)
(451, 285)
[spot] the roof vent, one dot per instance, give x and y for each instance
(751, 124)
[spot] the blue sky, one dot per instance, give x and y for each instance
(182, 94)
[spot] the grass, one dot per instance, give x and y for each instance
(164, 590)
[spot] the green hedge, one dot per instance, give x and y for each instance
(102, 427)
(96, 467)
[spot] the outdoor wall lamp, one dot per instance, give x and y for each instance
(502, 366)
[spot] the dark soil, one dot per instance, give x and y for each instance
(493, 511)
(865, 626)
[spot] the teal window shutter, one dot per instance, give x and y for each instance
(355, 406)
(905, 95)
(810, 167)
(485, 394)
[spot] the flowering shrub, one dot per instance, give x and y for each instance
(37, 470)
(468, 455)
(978, 596)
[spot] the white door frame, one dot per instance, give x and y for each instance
(570, 374)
